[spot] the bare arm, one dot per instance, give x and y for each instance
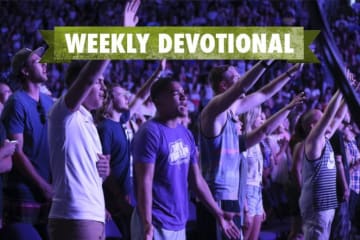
(80, 89)
(267, 91)
(23, 165)
(6, 151)
(5, 164)
(223, 101)
(340, 114)
(144, 178)
(315, 141)
(341, 178)
(93, 70)
(297, 157)
(202, 190)
(272, 123)
(144, 91)
(213, 116)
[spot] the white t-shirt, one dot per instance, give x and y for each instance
(74, 144)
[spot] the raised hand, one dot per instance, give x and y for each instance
(298, 99)
(163, 64)
(130, 18)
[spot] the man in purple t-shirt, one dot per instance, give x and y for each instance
(165, 161)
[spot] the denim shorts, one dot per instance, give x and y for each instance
(254, 200)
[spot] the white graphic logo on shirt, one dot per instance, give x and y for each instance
(179, 153)
(331, 162)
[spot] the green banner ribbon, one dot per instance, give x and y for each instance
(90, 43)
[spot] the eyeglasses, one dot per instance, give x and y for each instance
(41, 111)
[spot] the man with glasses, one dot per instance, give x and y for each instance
(27, 190)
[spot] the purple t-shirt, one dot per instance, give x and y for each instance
(171, 150)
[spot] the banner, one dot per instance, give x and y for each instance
(90, 43)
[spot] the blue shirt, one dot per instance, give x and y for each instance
(114, 142)
(22, 114)
(171, 150)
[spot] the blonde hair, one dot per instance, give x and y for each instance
(248, 119)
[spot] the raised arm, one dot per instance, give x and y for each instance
(273, 122)
(315, 141)
(343, 109)
(223, 101)
(340, 114)
(267, 91)
(213, 116)
(79, 90)
(144, 91)
(93, 70)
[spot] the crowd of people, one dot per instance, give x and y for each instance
(249, 138)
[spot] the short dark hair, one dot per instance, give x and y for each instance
(73, 72)
(310, 117)
(159, 86)
(216, 75)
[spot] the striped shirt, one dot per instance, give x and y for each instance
(319, 182)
